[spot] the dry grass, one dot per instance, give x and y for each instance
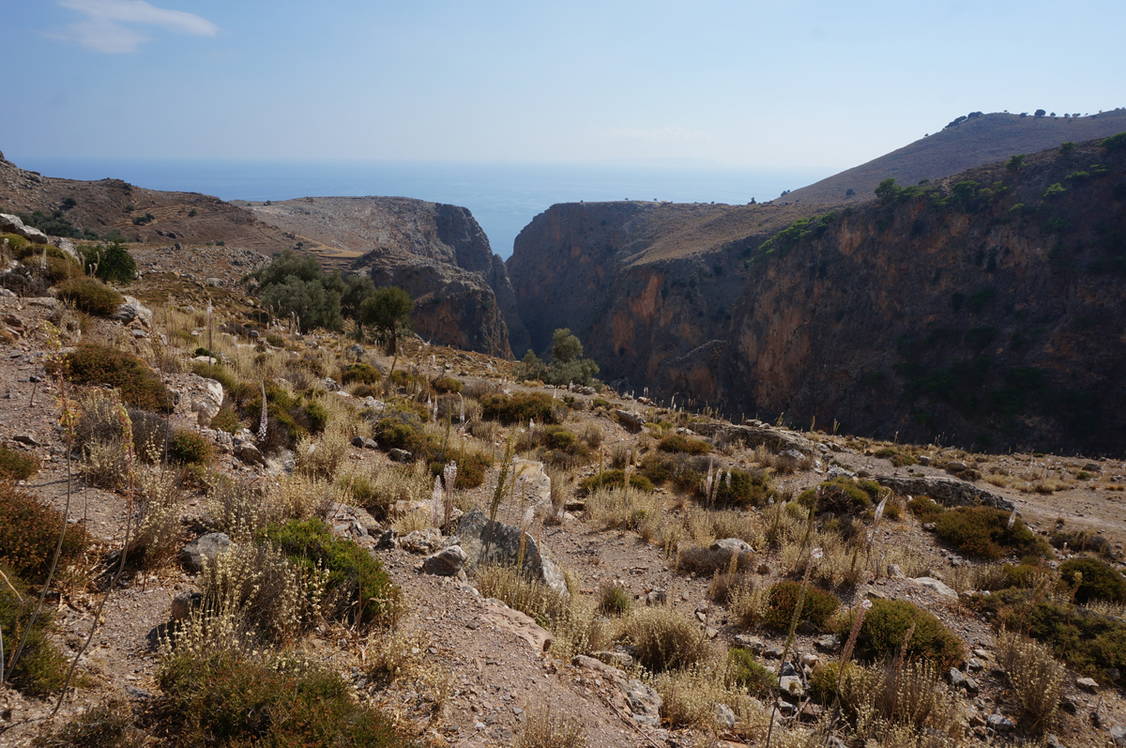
(544, 727)
(243, 508)
(1035, 677)
(520, 592)
(689, 697)
(664, 639)
(613, 508)
(160, 499)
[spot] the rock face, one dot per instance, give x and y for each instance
(485, 541)
(436, 252)
(946, 491)
(990, 316)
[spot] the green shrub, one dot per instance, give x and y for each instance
(1092, 579)
(520, 407)
(362, 590)
(139, 385)
(925, 508)
(983, 532)
(816, 609)
(614, 600)
(886, 626)
(107, 725)
(898, 457)
(1115, 142)
(843, 497)
(29, 533)
(17, 465)
(226, 420)
(359, 372)
(826, 677)
(614, 479)
(471, 467)
(678, 469)
(682, 443)
(110, 262)
(16, 244)
(443, 385)
(743, 671)
(738, 488)
(41, 669)
(226, 699)
(189, 447)
(91, 296)
(664, 639)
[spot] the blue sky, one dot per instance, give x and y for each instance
(749, 84)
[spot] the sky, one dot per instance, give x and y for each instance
(746, 84)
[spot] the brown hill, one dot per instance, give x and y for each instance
(108, 207)
(971, 142)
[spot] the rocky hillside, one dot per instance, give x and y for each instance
(111, 207)
(987, 310)
(437, 252)
(967, 142)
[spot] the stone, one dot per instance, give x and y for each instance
(946, 491)
(644, 702)
(772, 653)
(488, 541)
(717, 556)
(895, 571)
(753, 643)
(835, 471)
(11, 224)
(810, 660)
(1051, 741)
(183, 605)
(386, 540)
(630, 421)
(724, 716)
(1118, 735)
(656, 597)
(427, 540)
(400, 455)
(958, 679)
(974, 664)
(130, 310)
(27, 439)
(827, 643)
(445, 563)
(364, 442)
(1090, 685)
(247, 452)
(203, 549)
(614, 659)
(936, 585)
(791, 684)
(999, 722)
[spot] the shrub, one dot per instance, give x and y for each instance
(445, 385)
(520, 407)
(139, 385)
(680, 470)
(738, 488)
(29, 533)
(614, 600)
(886, 625)
(544, 727)
(842, 497)
(226, 420)
(983, 532)
(110, 262)
(682, 443)
(1092, 579)
(614, 479)
(41, 669)
(743, 671)
(91, 296)
(1035, 678)
(16, 465)
(664, 639)
(399, 433)
(520, 592)
(1082, 540)
(898, 457)
(827, 683)
(189, 447)
(925, 508)
(107, 725)
(471, 466)
(58, 269)
(359, 372)
(363, 592)
(223, 698)
(783, 597)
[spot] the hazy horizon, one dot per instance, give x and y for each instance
(718, 84)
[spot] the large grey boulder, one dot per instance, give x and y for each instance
(196, 554)
(445, 563)
(487, 541)
(130, 310)
(753, 433)
(946, 491)
(10, 224)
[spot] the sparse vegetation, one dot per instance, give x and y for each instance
(17, 465)
(139, 385)
(91, 296)
(664, 639)
(1091, 579)
(984, 532)
(521, 407)
(41, 668)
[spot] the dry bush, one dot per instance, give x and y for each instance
(377, 488)
(242, 508)
(544, 727)
(320, 456)
(727, 585)
(106, 725)
(664, 639)
(614, 599)
(520, 592)
(486, 431)
(613, 508)
(748, 605)
(689, 697)
(780, 463)
(160, 498)
(1035, 677)
(106, 465)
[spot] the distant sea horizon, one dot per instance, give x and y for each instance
(502, 197)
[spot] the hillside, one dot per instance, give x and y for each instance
(986, 313)
(437, 252)
(972, 142)
(329, 578)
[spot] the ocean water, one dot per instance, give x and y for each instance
(503, 197)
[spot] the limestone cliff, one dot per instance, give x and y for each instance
(437, 252)
(987, 311)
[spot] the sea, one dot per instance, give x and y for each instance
(502, 197)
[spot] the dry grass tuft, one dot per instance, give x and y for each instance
(1035, 677)
(544, 727)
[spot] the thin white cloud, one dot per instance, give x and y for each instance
(110, 26)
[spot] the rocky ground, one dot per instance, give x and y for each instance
(474, 668)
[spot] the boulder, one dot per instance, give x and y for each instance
(130, 310)
(427, 540)
(753, 433)
(936, 585)
(717, 557)
(204, 549)
(946, 491)
(445, 563)
(1090, 685)
(630, 420)
(400, 455)
(183, 605)
(247, 452)
(10, 224)
(489, 541)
